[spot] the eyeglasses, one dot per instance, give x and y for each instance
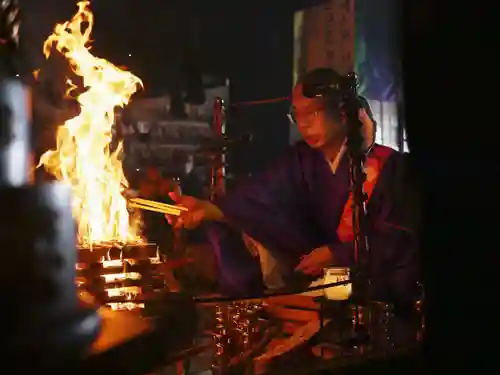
(302, 117)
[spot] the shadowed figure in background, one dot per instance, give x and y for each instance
(154, 187)
(297, 211)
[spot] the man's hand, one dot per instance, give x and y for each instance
(198, 211)
(130, 193)
(314, 262)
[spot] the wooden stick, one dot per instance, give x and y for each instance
(154, 209)
(167, 211)
(147, 202)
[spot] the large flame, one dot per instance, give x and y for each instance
(83, 157)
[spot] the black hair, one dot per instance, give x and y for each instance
(319, 76)
(324, 76)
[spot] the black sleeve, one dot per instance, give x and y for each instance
(395, 216)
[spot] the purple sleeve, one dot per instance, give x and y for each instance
(343, 253)
(271, 208)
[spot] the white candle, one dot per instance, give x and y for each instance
(341, 292)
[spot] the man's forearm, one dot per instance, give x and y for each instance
(342, 253)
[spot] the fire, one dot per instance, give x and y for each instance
(83, 157)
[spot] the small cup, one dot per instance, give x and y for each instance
(336, 274)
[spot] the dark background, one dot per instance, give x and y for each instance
(170, 44)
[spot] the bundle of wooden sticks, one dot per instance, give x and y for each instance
(163, 208)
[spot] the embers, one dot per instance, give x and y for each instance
(122, 278)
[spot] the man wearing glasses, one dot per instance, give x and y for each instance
(295, 216)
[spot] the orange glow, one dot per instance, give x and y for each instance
(83, 157)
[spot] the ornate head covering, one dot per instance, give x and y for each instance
(326, 77)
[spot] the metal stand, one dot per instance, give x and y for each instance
(342, 90)
(217, 189)
(218, 172)
(221, 340)
(357, 158)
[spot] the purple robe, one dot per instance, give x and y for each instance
(295, 206)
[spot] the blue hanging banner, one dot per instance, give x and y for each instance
(377, 49)
(324, 37)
